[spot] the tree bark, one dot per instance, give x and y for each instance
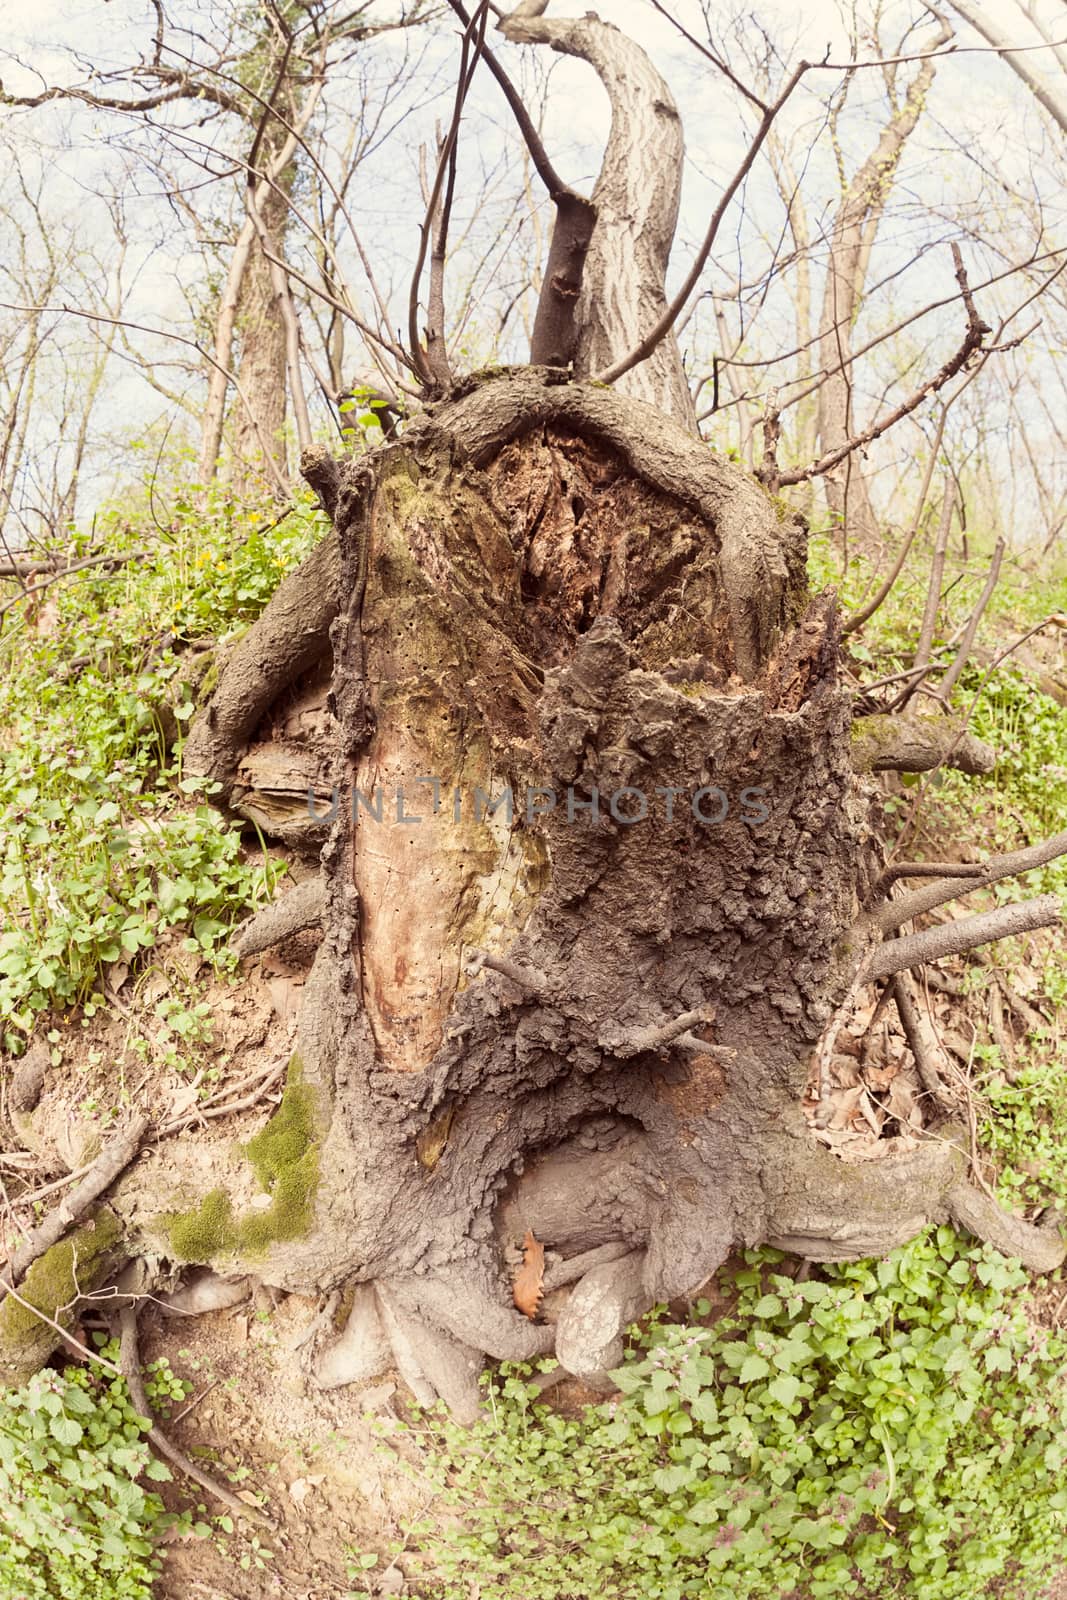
(590, 892)
(258, 427)
(636, 199)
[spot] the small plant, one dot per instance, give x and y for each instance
(105, 851)
(885, 1429)
(77, 1521)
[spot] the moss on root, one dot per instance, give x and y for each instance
(285, 1156)
(206, 1231)
(75, 1266)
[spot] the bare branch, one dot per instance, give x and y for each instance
(865, 612)
(431, 363)
(953, 938)
(663, 326)
(972, 342)
(951, 676)
(896, 912)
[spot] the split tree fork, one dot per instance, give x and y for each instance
(597, 1033)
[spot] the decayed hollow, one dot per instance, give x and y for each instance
(543, 588)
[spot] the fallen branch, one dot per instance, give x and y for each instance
(952, 938)
(911, 1022)
(130, 1363)
(111, 1161)
(225, 1108)
(75, 566)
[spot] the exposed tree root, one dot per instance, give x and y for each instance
(605, 1301)
(911, 1021)
(205, 1292)
(911, 742)
(112, 1160)
(1039, 1249)
(290, 636)
(296, 910)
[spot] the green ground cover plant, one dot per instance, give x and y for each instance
(101, 850)
(881, 1429)
(80, 1520)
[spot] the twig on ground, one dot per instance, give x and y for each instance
(129, 1360)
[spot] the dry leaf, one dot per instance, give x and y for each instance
(900, 1101)
(529, 1284)
(872, 1113)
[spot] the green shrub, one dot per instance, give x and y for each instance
(77, 1524)
(886, 1429)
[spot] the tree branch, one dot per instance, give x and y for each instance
(972, 342)
(953, 938)
(947, 683)
(644, 348)
(896, 912)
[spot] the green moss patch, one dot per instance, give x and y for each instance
(208, 1230)
(285, 1155)
(74, 1266)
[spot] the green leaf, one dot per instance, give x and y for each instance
(784, 1389)
(66, 1430)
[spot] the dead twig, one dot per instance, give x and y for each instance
(130, 1363)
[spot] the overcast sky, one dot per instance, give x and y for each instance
(977, 107)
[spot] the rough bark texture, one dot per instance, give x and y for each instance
(546, 591)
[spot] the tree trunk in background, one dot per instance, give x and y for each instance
(259, 419)
(852, 235)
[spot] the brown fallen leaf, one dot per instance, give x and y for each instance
(529, 1283)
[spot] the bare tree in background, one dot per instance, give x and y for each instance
(864, 197)
(262, 73)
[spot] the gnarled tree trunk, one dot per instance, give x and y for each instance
(594, 888)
